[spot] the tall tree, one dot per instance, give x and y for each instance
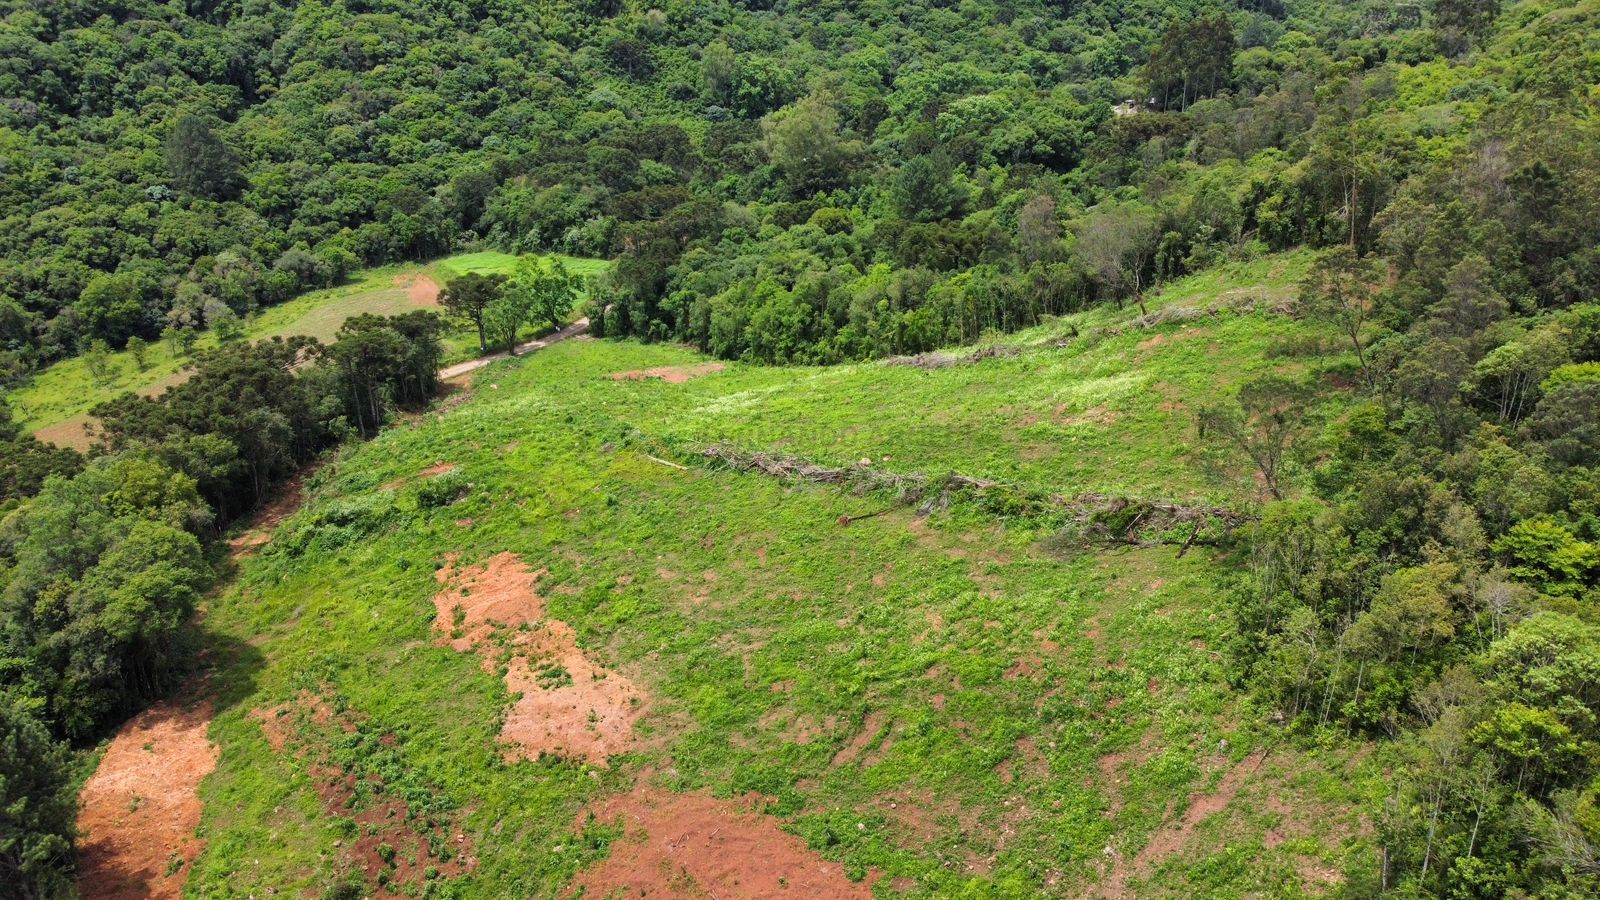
(1462, 24)
(469, 295)
(199, 162)
(1119, 242)
(37, 807)
(806, 144)
(1263, 424)
(1193, 61)
(1339, 289)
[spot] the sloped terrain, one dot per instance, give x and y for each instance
(925, 700)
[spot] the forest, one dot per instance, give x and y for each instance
(814, 184)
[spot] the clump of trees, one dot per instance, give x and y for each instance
(1438, 581)
(501, 306)
(102, 563)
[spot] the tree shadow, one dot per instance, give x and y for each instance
(141, 806)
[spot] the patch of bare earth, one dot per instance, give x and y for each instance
(141, 806)
(1174, 837)
(76, 432)
(863, 741)
(566, 704)
(389, 840)
(283, 505)
(1094, 415)
(420, 289)
(433, 471)
(670, 374)
(694, 845)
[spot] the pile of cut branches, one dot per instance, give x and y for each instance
(946, 360)
(1087, 517)
(1235, 302)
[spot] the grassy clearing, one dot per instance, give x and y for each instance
(55, 403)
(943, 700)
(493, 262)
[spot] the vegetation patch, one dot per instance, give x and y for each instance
(397, 834)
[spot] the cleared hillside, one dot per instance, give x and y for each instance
(937, 703)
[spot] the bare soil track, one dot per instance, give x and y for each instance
(141, 806)
(456, 371)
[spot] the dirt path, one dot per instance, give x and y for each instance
(141, 806)
(576, 328)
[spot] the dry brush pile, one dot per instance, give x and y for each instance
(1084, 518)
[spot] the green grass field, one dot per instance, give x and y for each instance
(954, 702)
(55, 403)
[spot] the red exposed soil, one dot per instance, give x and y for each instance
(420, 289)
(433, 471)
(693, 845)
(1174, 837)
(387, 839)
(74, 432)
(1025, 667)
(142, 804)
(284, 504)
(1028, 762)
(566, 704)
(870, 729)
(670, 374)
(498, 594)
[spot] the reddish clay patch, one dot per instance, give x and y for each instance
(1025, 667)
(670, 374)
(433, 471)
(863, 740)
(693, 845)
(76, 432)
(1026, 762)
(498, 594)
(1094, 415)
(420, 289)
(566, 704)
(388, 839)
(142, 804)
(1174, 837)
(283, 505)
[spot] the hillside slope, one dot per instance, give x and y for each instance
(956, 701)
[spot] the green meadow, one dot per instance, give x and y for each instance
(55, 403)
(959, 702)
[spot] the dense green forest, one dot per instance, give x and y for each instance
(815, 183)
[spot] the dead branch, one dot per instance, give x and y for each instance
(946, 360)
(1092, 516)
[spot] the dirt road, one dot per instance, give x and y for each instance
(576, 328)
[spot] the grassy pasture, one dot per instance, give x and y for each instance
(55, 403)
(953, 701)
